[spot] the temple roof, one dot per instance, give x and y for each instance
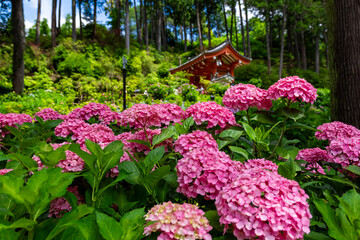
(231, 56)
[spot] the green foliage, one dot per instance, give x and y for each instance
(159, 90)
(189, 93)
(217, 89)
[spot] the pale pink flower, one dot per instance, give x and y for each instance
(261, 204)
(212, 113)
(293, 88)
(243, 96)
(177, 221)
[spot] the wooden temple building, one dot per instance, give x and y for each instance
(217, 64)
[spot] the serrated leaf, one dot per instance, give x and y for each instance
(109, 228)
(155, 176)
(165, 134)
(142, 142)
(292, 113)
(130, 167)
(89, 159)
(350, 203)
(249, 131)
(153, 158)
(52, 158)
(287, 152)
(132, 224)
(94, 148)
(354, 169)
(264, 117)
(115, 146)
(16, 132)
(288, 169)
(240, 151)
(26, 161)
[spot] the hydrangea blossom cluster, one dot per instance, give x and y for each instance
(197, 139)
(264, 205)
(102, 111)
(59, 206)
(72, 127)
(313, 156)
(4, 171)
(335, 130)
(212, 113)
(205, 172)
(169, 112)
(10, 119)
(178, 221)
(345, 151)
(97, 133)
(72, 163)
(293, 88)
(139, 116)
(49, 114)
(243, 96)
(261, 164)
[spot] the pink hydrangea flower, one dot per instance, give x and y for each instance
(10, 119)
(97, 133)
(261, 204)
(72, 162)
(334, 130)
(139, 116)
(59, 206)
(177, 221)
(212, 113)
(261, 164)
(4, 171)
(345, 151)
(49, 114)
(293, 88)
(72, 127)
(169, 113)
(243, 96)
(205, 172)
(197, 139)
(313, 156)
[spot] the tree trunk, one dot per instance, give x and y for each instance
(199, 25)
(297, 53)
(59, 18)
(317, 55)
(53, 24)
(94, 22)
(282, 42)
(231, 23)
(209, 27)
(185, 43)
(158, 29)
(247, 29)
(74, 20)
(137, 24)
(191, 36)
(303, 50)
(175, 32)
(327, 47)
(226, 26)
(37, 38)
(344, 49)
(164, 24)
(236, 30)
(146, 28)
(267, 38)
(181, 33)
(141, 20)
(80, 18)
(242, 30)
(127, 28)
(17, 16)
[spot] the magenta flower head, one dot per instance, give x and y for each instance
(139, 116)
(178, 221)
(205, 172)
(49, 114)
(261, 204)
(293, 88)
(169, 113)
(197, 139)
(59, 206)
(10, 119)
(345, 151)
(4, 171)
(71, 126)
(102, 111)
(212, 113)
(335, 130)
(313, 156)
(243, 96)
(261, 164)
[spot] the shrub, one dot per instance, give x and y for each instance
(159, 90)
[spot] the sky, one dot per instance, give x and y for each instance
(30, 12)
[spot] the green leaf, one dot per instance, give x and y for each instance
(155, 176)
(340, 180)
(133, 224)
(115, 146)
(213, 218)
(171, 179)
(188, 123)
(20, 223)
(266, 134)
(287, 152)
(264, 117)
(69, 219)
(292, 113)
(288, 169)
(122, 175)
(301, 125)
(9, 234)
(249, 131)
(110, 160)
(230, 135)
(28, 162)
(16, 132)
(11, 185)
(165, 134)
(5, 211)
(240, 151)
(153, 158)
(109, 228)
(88, 158)
(130, 167)
(350, 203)
(316, 236)
(52, 158)
(354, 169)
(142, 142)
(94, 148)
(180, 129)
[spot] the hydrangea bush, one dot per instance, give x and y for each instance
(247, 169)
